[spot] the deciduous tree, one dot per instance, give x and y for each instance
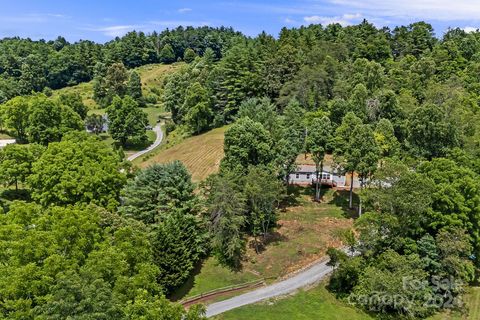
(79, 169)
(126, 121)
(319, 135)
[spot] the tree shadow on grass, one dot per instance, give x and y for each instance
(295, 192)
(340, 199)
(184, 289)
(262, 243)
(291, 199)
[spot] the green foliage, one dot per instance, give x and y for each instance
(166, 54)
(226, 208)
(79, 169)
(319, 135)
(246, 143)
(454, 200)
(385, 138)
(126, 121)
(422, 228)
(75, 102)
(16, 163)
(39, 119)
(264, 193)
(15, 116)
(78, 262)
(237, 76)
(95, 123)
(197, 109)
(431, 134)
(189, 55)
(179, 243)
(291, 140)
(261, 111)
(161, 196)
(45, 120)
(157, 191)
(116, 80)
(134, 87)
(356, 150)
(387, 277)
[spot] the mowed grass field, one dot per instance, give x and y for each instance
(201, 154)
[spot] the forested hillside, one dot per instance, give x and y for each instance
(27, 65)
(83, 235)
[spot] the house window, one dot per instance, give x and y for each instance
(308, 176)
(297, 176)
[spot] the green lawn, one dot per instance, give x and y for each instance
(315, 304)
(472, 300)
(318, 304)
(211, 277)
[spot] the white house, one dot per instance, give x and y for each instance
(306, 175)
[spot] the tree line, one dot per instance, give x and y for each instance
(27, 65)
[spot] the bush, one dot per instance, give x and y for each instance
(169, 126)
(151, 98)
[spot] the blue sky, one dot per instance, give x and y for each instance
(102, 20)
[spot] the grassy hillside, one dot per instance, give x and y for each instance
(152, 75)
(305, 231)
(201, 154)
(319, 304)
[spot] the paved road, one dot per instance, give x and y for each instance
(305, 278)
(158, 131)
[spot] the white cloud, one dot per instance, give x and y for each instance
(470, 29)
(115, 31)
(289, 21)
(373, 10)
(120, 30)
(444, 10)
(344, 20)
(184, 10)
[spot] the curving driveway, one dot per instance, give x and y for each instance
(159, 133)
(305, 278)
